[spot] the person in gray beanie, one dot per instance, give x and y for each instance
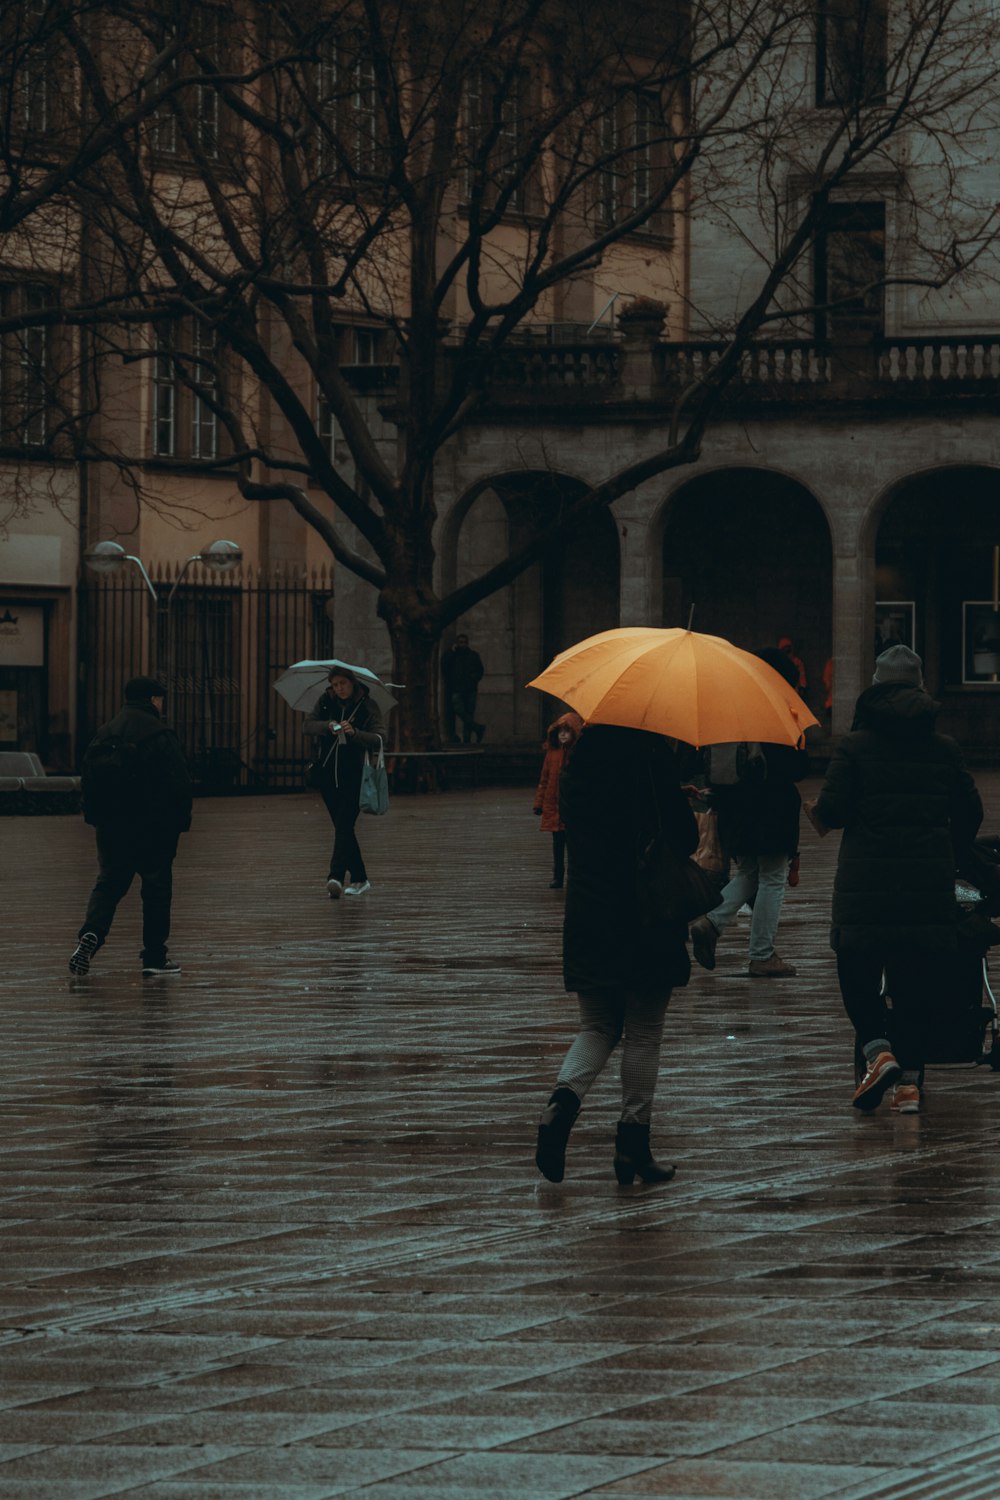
(909, 810)
(137, 796)
(899, 664)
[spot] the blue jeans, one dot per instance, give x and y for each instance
(760, 879)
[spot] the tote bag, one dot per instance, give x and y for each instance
(374, 796)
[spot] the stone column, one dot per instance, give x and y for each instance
(635, 604)
(853, 631)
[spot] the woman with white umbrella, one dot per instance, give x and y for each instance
(345, 724)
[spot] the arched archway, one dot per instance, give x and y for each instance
(750, 550)
(934, 560)
(570, 593)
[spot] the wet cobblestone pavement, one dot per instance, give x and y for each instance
(271, 1230)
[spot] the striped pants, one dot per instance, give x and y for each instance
(607, 1017)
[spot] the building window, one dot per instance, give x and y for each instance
(851, 51)
(326, 426)
(27, 390)
(496, 115)
(193, 116)
(631, 152)
(349, 137)
(30, 63)
(849, 272)
(188, 368)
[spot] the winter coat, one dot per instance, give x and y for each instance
(909, 810)
(619, 787)
(156, 806)
(556, 756)
(339, 757)
(461, 668)
(761, 815)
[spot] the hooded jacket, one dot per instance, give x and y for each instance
(556, 756)
(909, 810)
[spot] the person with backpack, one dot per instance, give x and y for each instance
(137, 795)
(754, 791)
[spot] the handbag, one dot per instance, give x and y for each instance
(374, 795)
(709, 853)
(671, 888)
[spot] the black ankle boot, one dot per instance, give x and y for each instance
(633, 1157)
(553, 1133)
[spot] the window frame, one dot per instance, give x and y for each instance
(837, 222)
(28, 369)
(859, 20)
(194, 435)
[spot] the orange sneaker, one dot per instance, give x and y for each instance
(905, 1099)
(879, 1076)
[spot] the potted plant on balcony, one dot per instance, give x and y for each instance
(642, 317)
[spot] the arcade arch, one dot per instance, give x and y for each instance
(934, 565)
(750, 550)
(572, 592)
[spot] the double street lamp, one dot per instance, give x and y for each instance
(110, 558)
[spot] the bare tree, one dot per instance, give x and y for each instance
(233, 187)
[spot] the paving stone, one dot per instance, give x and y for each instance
(273, 1227)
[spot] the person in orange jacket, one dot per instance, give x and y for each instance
(560, 738)
(787, 645)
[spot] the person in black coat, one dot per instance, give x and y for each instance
(137, 795)
(759, 827)
(618, 790)
(345, 724)
(909, 810)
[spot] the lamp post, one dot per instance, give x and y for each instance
(111, 557)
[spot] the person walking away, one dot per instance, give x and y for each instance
(345, 724)
(910, 811)
(462, 670)
(137, 796)
(560, 738)
(801, 682)
(759, 826)
(621, 969)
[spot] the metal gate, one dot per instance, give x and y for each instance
(218, 646)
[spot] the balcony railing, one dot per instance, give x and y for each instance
(798, 370)
(791, 371)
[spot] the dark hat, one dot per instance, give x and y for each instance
(141, 689)
(899, 664)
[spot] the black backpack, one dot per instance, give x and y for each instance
(111, 779)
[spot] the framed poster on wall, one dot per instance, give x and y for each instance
(895, 624)
(980, 642)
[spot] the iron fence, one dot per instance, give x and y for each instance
(218, 644)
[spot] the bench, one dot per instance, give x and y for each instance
(26, 790)
(432, 770)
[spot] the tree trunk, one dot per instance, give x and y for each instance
(416, 724)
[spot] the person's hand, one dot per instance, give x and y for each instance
(537, 811)
(817, 823)
(348, 730)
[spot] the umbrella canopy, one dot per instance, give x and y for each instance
(304, 682)
(688, 686)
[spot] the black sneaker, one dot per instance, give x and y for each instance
(88, 945)
(166, 967)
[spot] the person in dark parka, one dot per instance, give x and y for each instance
(137, 795)
(619, 788)
(909, 810)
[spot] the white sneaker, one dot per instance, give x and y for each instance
(357, 887)
(336, 888)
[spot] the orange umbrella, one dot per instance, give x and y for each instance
(688, 686)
